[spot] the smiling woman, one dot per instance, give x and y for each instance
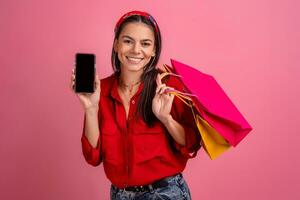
(143, 136)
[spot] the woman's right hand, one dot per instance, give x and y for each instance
(89, 101)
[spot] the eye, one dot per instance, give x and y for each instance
(146, 44)
(127, 41)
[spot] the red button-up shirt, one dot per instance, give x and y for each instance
(133, 153)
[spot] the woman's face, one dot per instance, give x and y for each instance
(135, 46)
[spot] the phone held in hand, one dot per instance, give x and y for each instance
(85, 73)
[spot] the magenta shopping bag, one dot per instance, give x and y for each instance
(213, 104)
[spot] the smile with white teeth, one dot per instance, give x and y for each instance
(134, 59)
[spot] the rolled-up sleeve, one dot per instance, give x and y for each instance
(184, 116)
(91, 154)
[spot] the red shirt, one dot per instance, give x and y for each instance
(133, 153)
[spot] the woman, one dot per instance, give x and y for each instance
(142, 134)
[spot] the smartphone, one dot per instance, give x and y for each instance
(85, 73)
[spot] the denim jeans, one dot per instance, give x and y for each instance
(177, 189)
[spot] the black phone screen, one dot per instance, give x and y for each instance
(85, 73)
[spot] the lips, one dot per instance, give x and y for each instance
(134, 60)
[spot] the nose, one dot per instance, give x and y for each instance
(136, 48)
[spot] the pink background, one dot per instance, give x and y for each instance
(250, 46)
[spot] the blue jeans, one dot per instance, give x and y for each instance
(177, 189)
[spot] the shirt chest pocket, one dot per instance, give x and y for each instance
(111, 145)
(149, 144)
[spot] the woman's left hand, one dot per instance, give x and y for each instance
(162, 101)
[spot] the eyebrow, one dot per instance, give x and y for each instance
(144, 40)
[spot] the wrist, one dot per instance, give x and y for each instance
(166, 120)
(91, 110)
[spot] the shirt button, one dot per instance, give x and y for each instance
(133, 101)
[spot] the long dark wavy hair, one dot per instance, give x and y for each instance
(150, 71)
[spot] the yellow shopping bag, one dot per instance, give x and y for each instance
(213, 143)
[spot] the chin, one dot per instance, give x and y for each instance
(135, 68)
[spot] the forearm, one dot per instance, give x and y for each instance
(92, 126)
(175, 129)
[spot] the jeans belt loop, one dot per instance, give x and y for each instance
(150, 187)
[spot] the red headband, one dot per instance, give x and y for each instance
(139, 13)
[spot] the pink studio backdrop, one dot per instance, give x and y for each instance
(249, 46)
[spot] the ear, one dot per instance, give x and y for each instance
(116, 45)
(153, 54)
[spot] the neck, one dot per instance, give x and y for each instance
(130, 78)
